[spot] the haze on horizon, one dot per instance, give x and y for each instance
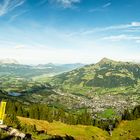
(69, 31)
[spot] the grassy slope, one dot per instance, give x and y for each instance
(126, 130)
(79, 132)
(106, 73)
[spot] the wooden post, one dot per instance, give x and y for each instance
(2, 111)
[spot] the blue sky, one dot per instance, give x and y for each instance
(69, 31)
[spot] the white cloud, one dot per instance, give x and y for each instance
(40, 46)
(116, 38)
(124, 26)
(135, 24)
(9, 5)
(100, 8)
(106, 5)
(122, 37)
(130, 27)
(19, 47)
(13, 17)
(66, 3)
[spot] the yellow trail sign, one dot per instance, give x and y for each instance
(2, 111)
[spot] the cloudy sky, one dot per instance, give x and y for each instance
(69, 31)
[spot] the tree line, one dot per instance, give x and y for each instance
(44, 112)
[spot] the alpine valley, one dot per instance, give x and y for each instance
(107, 86)
(100, 94)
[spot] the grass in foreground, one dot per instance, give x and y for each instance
(126, 130)
(79, 132)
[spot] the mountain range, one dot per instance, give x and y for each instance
(8, 61)
(104, 74)
(12, 67)
(107, 85)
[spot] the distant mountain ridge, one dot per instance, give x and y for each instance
(12, 67)
(8, 61)
(106, 73)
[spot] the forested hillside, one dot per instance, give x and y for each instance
(105, 74)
